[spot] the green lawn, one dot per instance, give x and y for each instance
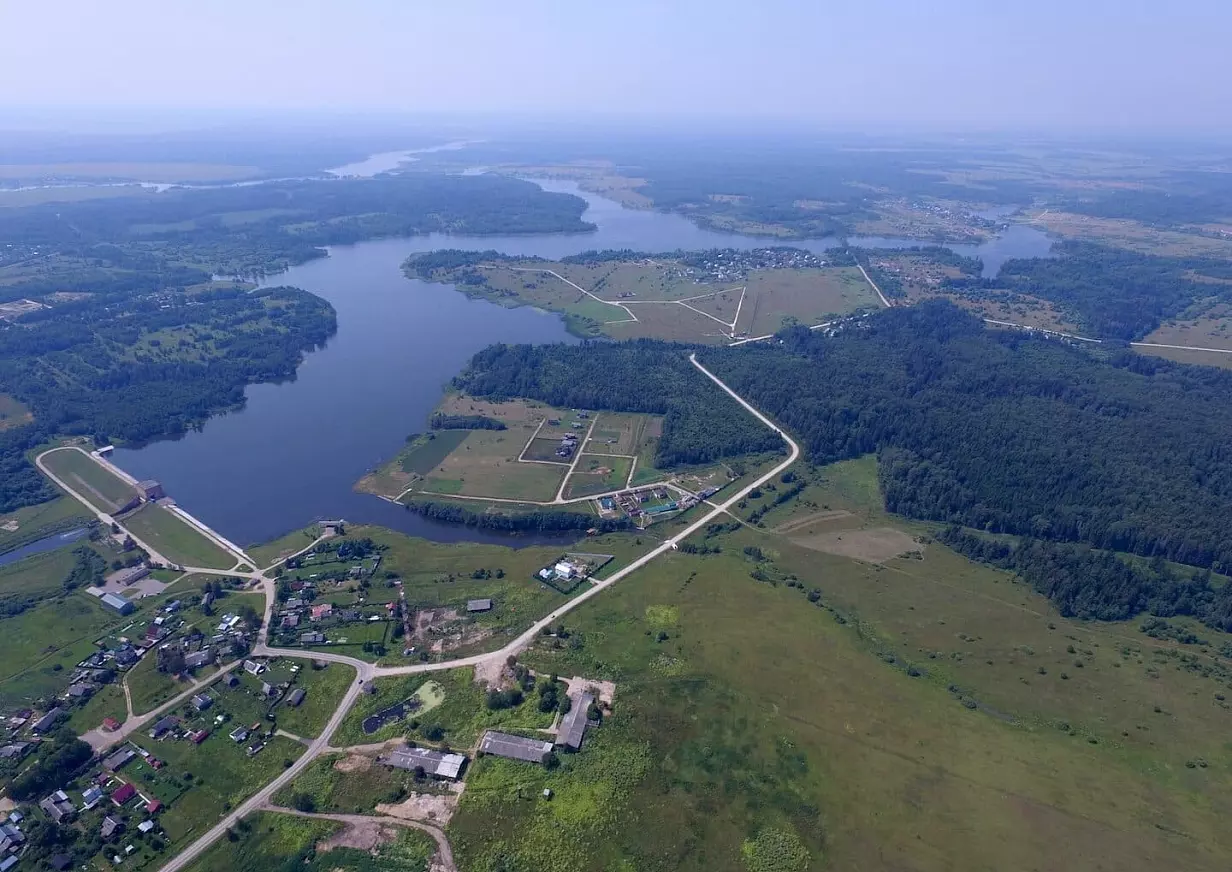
(223, 775)
(325, 688)
(267, 553)
(175, 539)
(108, 702)
(89, 478)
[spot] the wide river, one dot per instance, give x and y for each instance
(292, 454)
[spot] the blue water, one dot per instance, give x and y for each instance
(292, 454)
(50, 543)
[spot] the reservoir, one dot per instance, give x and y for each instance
(292, 454)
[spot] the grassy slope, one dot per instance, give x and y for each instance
(88, 478)
(761, 711)
(175, 539)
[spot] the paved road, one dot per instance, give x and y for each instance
(99, 739)
(442, 843)
(368, 671)
(868, 279)
(263, 796)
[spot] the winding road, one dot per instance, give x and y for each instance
(366, 672)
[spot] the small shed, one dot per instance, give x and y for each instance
(479, 605)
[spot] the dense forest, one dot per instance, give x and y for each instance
(1110, 293)
(539, 520)
(1186, 198)
(1010, 433)
(139, 366)
(701, 423)
(1085, 583)
(262, 228)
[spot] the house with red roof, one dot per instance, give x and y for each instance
(153, 806)
(123, 794)
(111, 724)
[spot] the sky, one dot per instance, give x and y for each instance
(1077, 65)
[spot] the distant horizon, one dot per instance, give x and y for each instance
(1129, 67)
(240, 122)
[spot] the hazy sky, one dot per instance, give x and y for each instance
(1046, 64)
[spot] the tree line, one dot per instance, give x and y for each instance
(1110, 293)
(1010, 433)
(701, 423)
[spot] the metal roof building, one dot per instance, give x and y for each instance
(435, 763)
(515, 747)
(478, 605)
(573, 725)
(118, 603)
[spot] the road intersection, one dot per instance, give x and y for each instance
(367, 672)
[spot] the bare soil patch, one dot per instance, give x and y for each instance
(430, 808)
(875, 545)
(353, 763)
(606, 689)
(815, 517)
(365, 836)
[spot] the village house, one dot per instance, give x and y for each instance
(123, 794)
(58, 807)
(202, 701)
(254, 667)
(164, 726)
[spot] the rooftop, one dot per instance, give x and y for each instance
(436, 763)
(515, 747)
(573, 725)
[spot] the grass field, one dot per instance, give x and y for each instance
(266, 553)
(325, 688)
(38, 576)
(223, 775)
(90, 479)
(35, 522)
(13, 413)
(486, 465)
(778, 297)
(1132, 235)
(621, 433)
(920, 713)
(474, 462)
(355, 787)
(58, 633)
(662, 300)
(269, 840)
(175, 539)
(597, 474)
